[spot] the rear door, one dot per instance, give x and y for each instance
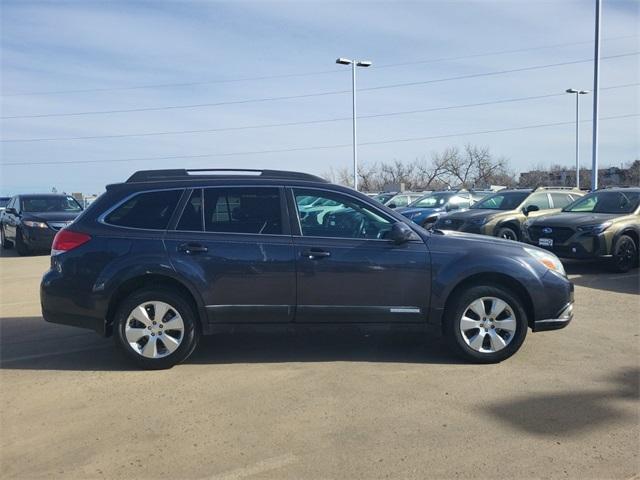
(235, 247)
(348, 272)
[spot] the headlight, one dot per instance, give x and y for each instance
(549, 260)
(595, 229)
(32, 224)
(479, 221)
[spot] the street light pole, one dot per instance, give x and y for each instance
(596, 90)
(577, 94)
(354, 64)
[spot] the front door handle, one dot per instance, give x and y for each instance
(316, 254)
(190, 248)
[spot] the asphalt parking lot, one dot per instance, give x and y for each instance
(323, 405)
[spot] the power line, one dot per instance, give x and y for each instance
(309, 122)
(320, 147)
(289, 97)
(306, 74)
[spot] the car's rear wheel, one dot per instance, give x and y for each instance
(625, 254)
(485, 324)
(21, 246)
(3, 240)
(507, 233)
(157, 328)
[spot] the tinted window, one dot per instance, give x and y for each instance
(432, 200)
(606, 202)
(50, 204)
(243, 210)
(561, 200)
(502, 201)
(345, 218)
(151, 210)
(540, 200)
(191, 218)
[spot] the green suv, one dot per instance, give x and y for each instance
(602, 225)
(503, 213)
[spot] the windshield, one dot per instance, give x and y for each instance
(502, 201)
(605, 202)
(431, 200)
(50, 204)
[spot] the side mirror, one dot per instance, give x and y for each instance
(400, 233)
(531, 208)
(11, 210)
(392, 205)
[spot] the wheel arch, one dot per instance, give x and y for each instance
(501, 280)
(139, 282)
(509, 223)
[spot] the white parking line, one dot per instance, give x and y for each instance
(52, 354)
(260, 467)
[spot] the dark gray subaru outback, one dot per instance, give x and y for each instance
(171, 255)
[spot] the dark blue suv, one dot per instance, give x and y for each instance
(171, 255)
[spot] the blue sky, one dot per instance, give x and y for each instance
(73, 57)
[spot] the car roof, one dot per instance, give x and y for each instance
(40, 195)
(619, 189)
(143, 176)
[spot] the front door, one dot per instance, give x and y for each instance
(348, 271)
(234, 245)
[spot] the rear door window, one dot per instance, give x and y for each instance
(192, 217)
(561, 200)
(149, 210)
(540, 200)
(255, 210)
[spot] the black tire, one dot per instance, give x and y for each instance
(21, 247)
(190, 335)
(625, 254)
(458, 306)
(6, 244)
(508, 233)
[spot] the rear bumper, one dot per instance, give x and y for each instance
(64, 303)
(563, 319)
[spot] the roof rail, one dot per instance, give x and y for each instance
(555, 188)
(209, 173)
(618, 186)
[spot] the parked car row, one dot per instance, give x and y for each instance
(30, 222)
(603, 225)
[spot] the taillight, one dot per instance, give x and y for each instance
(66, 240)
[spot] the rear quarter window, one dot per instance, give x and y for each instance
(149, 211)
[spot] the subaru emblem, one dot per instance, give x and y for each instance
(547, 230)
(448, 222)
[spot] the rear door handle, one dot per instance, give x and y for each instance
(190, 248)
(316, 253)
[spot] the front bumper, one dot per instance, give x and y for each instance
(579, 245)
(38, 238)
(563, 319)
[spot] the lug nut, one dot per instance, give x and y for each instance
(153, 334)
(149, 327)
(154, 322)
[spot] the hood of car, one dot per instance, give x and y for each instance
(570, 219)
(496, 242)
(50, 216)
(476, 214)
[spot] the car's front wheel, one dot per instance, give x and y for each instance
(625, 254)
(485, 324)
(21, 246)
(3, 240)
(157, 328)
(507, 233)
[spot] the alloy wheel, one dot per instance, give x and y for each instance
(488, 324)
(625, 253)
(154, 329)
